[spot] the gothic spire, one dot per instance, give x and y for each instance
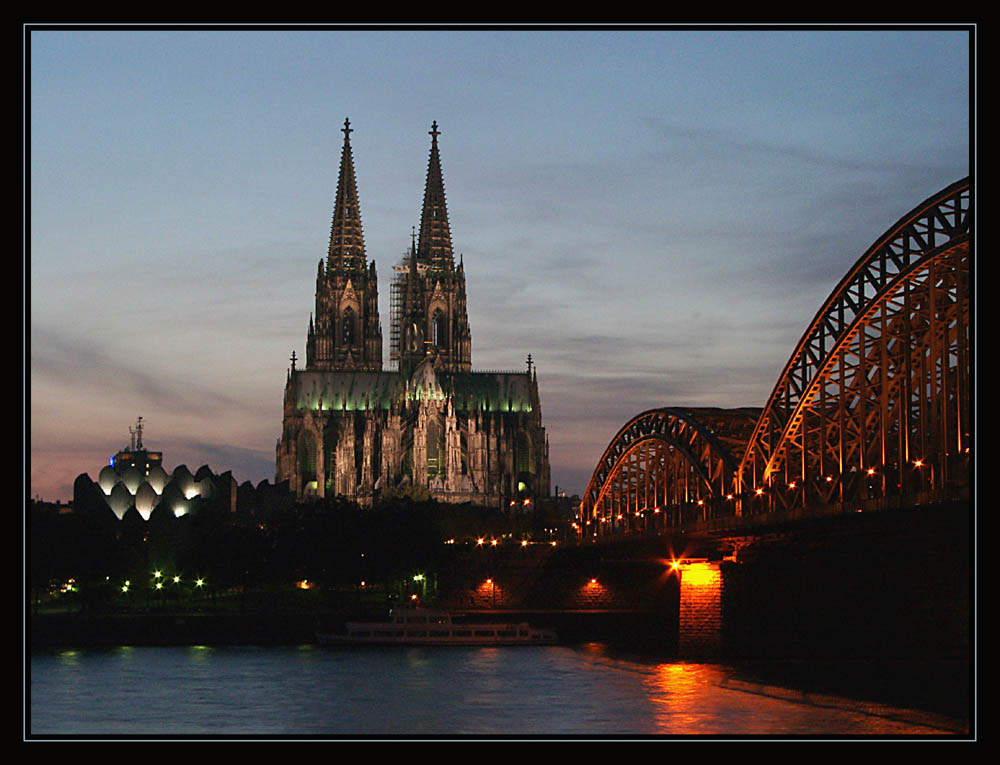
(435, 235)
(347, 242)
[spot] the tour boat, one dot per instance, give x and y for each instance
(424, 626)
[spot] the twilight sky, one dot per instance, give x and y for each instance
(654, 215)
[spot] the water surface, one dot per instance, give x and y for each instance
(427, 691)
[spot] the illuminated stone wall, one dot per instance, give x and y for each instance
(700, 630)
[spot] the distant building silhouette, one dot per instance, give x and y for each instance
(431, 425)
(135, 479)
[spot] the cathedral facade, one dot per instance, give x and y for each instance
(427, 424)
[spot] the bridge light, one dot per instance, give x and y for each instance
(729, 496)
(829, 478)
(918, 463)
(871, 471)
(701, 502)
(759, 492)
(791, 485)
(479, 541)
(674, 565)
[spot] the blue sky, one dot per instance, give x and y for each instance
(654, 215)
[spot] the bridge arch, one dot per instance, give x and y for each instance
(874, 401)
(662, 466)
(873, 405)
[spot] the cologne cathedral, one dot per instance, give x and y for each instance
(429, 424)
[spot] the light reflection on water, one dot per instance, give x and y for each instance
(551, 691)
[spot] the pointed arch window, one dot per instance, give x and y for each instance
(348, 330)
(435, 448)
(439, 335)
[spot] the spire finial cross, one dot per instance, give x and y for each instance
(434, 131)
(292, 359)
(347, 128)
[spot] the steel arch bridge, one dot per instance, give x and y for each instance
(666, 466)
(872, 407)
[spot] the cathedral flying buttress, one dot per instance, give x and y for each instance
(430, 425)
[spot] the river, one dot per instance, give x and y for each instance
(451, 692)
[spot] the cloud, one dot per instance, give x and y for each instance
(61, 360)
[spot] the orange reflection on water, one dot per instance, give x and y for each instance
(678, 692)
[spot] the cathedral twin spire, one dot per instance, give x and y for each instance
(347, 333)
(434, 246)
(347, 241)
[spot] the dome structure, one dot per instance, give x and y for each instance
(120, 500)
(146, 499)
(107, 479)
(158, 478)
(132, 478)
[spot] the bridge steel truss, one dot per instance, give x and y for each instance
(874, 402)
(663, 468)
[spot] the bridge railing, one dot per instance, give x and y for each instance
(718, 516)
